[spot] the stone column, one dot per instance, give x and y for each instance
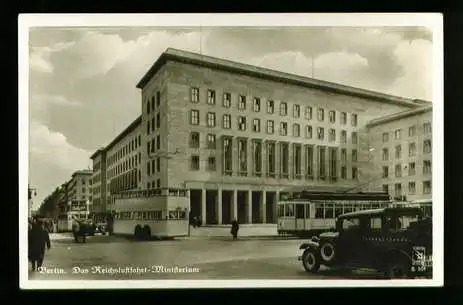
(203, 206)
(234, 214)
(249, 207)
(263, 206)
(219, 206)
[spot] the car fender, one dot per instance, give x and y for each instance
(309, 245)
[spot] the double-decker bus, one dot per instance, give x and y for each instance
(160, 213)
(310, 213)
(76, 210)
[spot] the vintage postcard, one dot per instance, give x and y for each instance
(230, 150)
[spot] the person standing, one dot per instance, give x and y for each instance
(38, 240)
(234, 229)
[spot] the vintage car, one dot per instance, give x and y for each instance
(393, 240)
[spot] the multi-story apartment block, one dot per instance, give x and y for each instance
(117, 167)
(237, 136)
(80, 186)
(402, 158)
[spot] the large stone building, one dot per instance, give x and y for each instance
(238, 135)
(402, 158)
(117, 167)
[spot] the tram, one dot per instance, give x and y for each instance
(156, 213)
(311, 213)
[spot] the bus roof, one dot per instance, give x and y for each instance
(367, 196)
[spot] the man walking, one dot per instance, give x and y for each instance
(234, 229)
(38, 239)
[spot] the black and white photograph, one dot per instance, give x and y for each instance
(230, 150)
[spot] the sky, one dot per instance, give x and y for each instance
(82, 80)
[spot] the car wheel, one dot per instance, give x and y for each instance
(398, 269)
(310, 261)
(327, 252)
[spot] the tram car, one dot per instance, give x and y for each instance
(311, 213)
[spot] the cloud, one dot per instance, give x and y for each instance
(53, 148)
(39, 57)
(415, 79)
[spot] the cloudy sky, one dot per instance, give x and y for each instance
(82, 80)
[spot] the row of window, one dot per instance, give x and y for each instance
(153, 145)
(154, 184)
(323, 210)
(152, 125)
(427, 130)
(154, 166)
(427, 169)
(153, 102)
(426, 188)
(270, 109)
(128, 148)
(126, 181)
(427, 149)
(151, 215)
(125, 166)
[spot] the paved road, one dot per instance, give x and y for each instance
(219, 258)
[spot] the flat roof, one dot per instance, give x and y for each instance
(125, 132)
(96, 153)
(379, 211)
(82, 172)
(399, 115)
(268, 74)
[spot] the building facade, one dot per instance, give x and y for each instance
(402, 145)
(238, 136)
(117, 167)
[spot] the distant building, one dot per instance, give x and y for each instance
(402, 158)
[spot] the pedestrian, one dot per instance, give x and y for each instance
(234, 229)
(38, 240)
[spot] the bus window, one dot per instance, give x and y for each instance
(367, 206)
(173, 215)
(338, 210)
(319, 211)
(329, 210)
(289, 211)
(375, 206)
(307, 211)
(300, 211)
(281, 210)
(347, 208)
(181, 214)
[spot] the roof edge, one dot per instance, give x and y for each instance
(398, 115)
(123, 133)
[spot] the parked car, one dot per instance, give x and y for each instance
(394, 240)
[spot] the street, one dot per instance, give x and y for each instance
(115, 257)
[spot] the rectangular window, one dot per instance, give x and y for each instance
(227, 100)
(411, 149)
(227, 156)
(412, 188)
(296, 111)
(194, 117)
(283, 128)
(398, 170)
(283, 108)
(158, 164)
(309, 161)
(412, 131)
(332, 116)
(211, 164)
(397, 190)
(158, 142)
(343, 118)
(194, 163)
(211, 141)
(241, 102)
(211, 97)
(385, 172)
(284, 160)
(271, 156)
(308, 131)
(354, 119)
(398, 134)
(321, 114)
(297, 161)
(321, 162)
(354, 138)
(320, 133)
(210, 119)
(153, 125)
(158, 98)
(308, 113)
(256, 125)
(385, 188)
(226, 121)
(270, 127)
(333, 155)
(242, 157)
(427, 129)
(427, 188)
(194, 140)
(256, 104)
(354, 173)
(242, 123)
(385, 154)
(158, 120)
(332, 135)
(411, 169)
(398, 152)
(343, 136)
(354, 155)
(296, 130)
(343, 172)
(427, 167)
(385, 137)
(270, 107)
(343, 155)
(427, 146)
(257, 157)
(194, 95)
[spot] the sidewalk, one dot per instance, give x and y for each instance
(61, 236)
(246, 230)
